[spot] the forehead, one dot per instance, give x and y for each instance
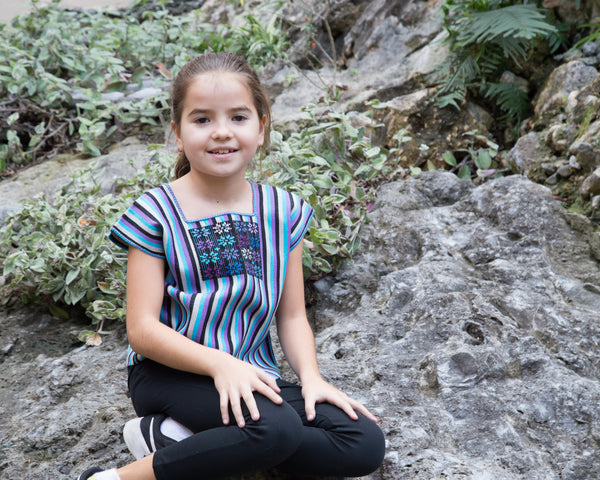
(218, 90)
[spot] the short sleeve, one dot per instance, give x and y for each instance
(140, 227)
(301, 214)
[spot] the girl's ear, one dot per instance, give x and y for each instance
(175, 129)
(261, 131)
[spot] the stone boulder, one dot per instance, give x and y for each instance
(567, 78)
(124, 160)
(469, 323)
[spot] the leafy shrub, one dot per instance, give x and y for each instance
(334, 166)
(477, 160)
(53, 57)
(485, 38)
(55, 251)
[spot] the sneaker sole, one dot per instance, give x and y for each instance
(132, 433)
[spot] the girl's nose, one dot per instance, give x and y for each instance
(221, 129)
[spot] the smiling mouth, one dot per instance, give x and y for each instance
(222, 151)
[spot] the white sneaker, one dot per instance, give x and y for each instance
(143, 436)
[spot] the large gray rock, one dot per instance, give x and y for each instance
(567, 78)
(124, 160)
(386, 45)
(469, 323)
(529, 151)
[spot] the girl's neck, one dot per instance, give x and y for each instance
(199, 197)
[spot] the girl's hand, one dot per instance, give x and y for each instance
(236, 380)
(317, 390)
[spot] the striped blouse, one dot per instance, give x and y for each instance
(224, 274)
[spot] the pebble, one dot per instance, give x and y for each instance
(573, 163)
(551, 180)
(590, 49)
(564, 171)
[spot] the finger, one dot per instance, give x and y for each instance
(236, 408)
(346, 407)
(268, 392)
(309, 408)
(271, 382)
(267, 380)
(252, 407)
(359, 407)
(224, 406)
(344, 403)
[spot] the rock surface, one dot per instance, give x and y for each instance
(48, 178)
(469, 322)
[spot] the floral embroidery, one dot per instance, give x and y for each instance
(227, 247)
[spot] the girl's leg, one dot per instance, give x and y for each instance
(332, 444)
(214, 450)
(138, 470)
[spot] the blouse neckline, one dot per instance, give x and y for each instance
(171, 193)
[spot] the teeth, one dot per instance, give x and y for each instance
(221, 151)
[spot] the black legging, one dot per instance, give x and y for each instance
(331, 445)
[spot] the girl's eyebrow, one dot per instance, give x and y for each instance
(204, 111)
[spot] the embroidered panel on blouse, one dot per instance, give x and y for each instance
(227, 247)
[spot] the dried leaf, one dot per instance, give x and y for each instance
(94, 340)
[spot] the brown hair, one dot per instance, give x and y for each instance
(216, 62)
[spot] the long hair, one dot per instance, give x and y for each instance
(216, 62)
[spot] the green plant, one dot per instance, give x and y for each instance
(61, 68)
(262, 42)
(334, 166)
(592, 36)
(477, 160)
(55, 251)
(485, 38)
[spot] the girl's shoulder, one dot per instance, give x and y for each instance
(157, 202)
(157, 194)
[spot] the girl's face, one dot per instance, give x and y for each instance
(219, 130)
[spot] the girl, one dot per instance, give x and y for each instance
(213, 260)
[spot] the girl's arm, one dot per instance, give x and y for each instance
(298, 344)
(234, 379)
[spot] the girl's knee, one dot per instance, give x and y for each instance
(279, 430)
(369, 449)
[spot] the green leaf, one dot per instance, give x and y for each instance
(323, 182)
(483, 160)
(12, 118)
(464, 172)
(72, 275)
(58, 312)
(514, 21)
(449, 158)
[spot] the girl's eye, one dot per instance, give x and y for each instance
(201, 120)
(239, 118)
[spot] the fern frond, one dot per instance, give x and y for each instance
(464, 71)
(514, 48)
(454, 99)
(512, 98)
(491, 59)
(517, 21)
